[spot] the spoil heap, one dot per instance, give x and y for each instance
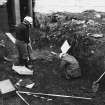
(85, 33)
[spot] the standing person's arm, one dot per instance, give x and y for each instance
(29, 44)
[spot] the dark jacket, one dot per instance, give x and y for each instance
(22, 32)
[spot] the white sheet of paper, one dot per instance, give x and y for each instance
(65, 47)
(22, 70)
(6, 86)
(30, 85)
(11, 37)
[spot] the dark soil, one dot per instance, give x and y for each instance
(48, 77)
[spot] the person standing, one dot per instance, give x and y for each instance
(22, 42)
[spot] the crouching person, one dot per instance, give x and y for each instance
(22, 41)
(69, 66)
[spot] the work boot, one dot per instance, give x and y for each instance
(27, 63)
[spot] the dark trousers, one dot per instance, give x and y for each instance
(23, 52)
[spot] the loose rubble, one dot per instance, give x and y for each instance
(85, 33)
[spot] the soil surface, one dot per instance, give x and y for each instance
(48, 77)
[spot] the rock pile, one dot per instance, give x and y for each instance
(85, 33)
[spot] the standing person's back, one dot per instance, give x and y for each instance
(22, 32)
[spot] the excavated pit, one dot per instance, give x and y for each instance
(49, 36)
